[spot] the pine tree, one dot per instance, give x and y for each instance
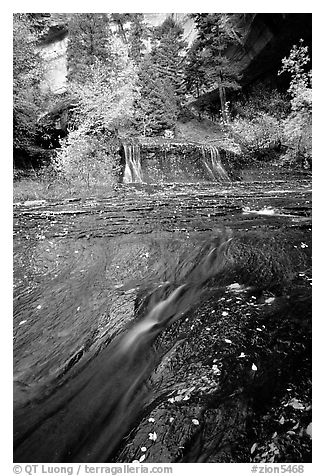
(161, 80)
(168, 54)
(133, 31)
(208, 66)
(156, 110)
(88, 39)
(195, 71)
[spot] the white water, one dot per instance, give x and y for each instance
(210, 159)
(132, 172)
(212, 162)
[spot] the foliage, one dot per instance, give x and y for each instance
(27, 72)
(298, 126)
(258, 136)
(298, 138)
(161, 81)
(88, 159)
(207, 66)
(104, 99)
(300, 84)
(88, 38)
(167, 55)
(263, 99)
(267, 119)
(156, 109)
(195, 73)
(133, 31)
(257, 122)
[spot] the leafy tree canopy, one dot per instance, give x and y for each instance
(27, 73)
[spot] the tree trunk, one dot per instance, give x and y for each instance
(222, 95)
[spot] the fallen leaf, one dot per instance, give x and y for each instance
(309, 430)
(153, 436)
(22, 322)
(253, 448)
(144, 449)
(294, 403)
(151, 420)
(228, 341)
(195, 422)
(216, 369)
(225, 313)
(142, 458)
(235, 286)
(254, 367)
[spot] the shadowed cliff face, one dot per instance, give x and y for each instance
(162, 317)
(267, 38)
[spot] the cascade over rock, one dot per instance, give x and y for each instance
(172, 162)
(212, 162)
(132, 170)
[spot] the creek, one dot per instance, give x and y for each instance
(163, 322)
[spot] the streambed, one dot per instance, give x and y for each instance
(167, 322)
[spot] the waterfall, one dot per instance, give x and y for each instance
(175, 162)
(212, 163)
(132, 171)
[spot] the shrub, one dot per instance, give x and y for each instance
(259, 137)
(298, 139)
(88, 159)
(262, 99)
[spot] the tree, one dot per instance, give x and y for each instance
(168, 54)
(104, 105)
(195, 77)
(156, 109)
(88, 40)
(208, 66)
(298, 126)
(134, 33)
(161, 80)
(105, 99)
(27, 72)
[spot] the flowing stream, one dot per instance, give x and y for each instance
(135, 317)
